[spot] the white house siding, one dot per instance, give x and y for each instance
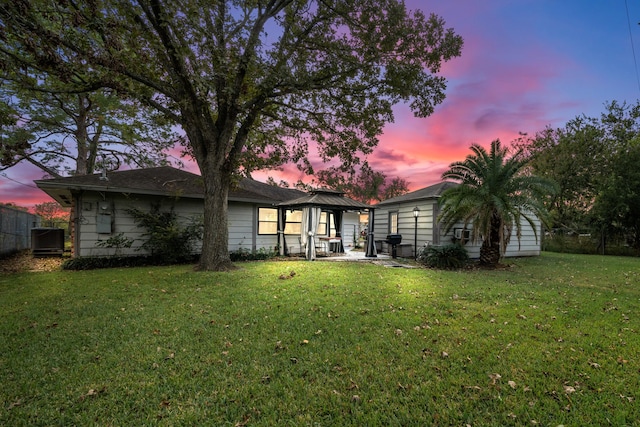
(242, 227)
(527, 246)
(429, 210)
(406, 222)
(88, 217)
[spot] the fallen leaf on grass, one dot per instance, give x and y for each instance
(512, 384)
(404, 387)
(494, 378)
(93, 393)
(244, 422)
(568, 389)
(286, 276)
(14, 404)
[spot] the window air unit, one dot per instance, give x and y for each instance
(462, 234)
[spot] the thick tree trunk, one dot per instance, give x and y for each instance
(215, 243)
(489, 253)
(81, 135)
(490, 249)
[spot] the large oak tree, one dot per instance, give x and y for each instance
(78, 133)
(251, 82)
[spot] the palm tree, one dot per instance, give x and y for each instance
(495, 195)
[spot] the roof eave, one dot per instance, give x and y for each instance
(417, 199)
(47, 186)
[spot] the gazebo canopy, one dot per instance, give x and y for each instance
(326, 199)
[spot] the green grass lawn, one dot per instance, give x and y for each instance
(550, 340)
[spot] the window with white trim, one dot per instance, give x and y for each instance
(393, 222)
(267, 221)
(294, 222)
(322, 226)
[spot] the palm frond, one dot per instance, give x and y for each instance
(494, 186)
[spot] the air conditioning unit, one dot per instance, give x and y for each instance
(47, 241)
(462, 234)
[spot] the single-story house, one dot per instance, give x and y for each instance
(99, 209)
(415, 216)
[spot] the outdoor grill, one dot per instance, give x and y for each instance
(394, 240)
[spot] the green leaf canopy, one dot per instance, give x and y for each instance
(251, 83)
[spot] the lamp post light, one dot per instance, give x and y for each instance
(416, 214)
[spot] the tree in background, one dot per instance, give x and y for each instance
(589, 159)
(52, 214)
(14, 206)
(250, 83)
(78, 133)
(495, 195)
(365, 184)
(616, 210)
(572, 157)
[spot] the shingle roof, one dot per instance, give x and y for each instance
(251, 189)
(165, 181)
(431, 192)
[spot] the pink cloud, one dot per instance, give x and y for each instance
(16, 186)
(509, 79)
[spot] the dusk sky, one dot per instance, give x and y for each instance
(525, 65)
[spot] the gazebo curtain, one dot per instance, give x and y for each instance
(371, 245)
(337, 217)
(282, 224)
(310, 222)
